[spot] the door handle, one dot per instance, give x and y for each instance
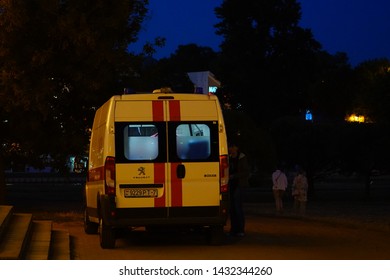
(181, 171)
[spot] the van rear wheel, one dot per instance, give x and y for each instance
(106, 235)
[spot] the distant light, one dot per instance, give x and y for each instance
(213, 89)
(308, 115)
(356, 118)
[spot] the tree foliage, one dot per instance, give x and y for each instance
(58, 61)
(329, 96)
(267, 55)
(172, 71)
(371, 85)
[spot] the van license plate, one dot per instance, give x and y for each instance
(141, 192)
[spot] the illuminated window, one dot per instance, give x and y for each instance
(213, 90)
(308, 115)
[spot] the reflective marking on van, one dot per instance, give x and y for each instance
(158, 111)
(174, 110)
(159, 178)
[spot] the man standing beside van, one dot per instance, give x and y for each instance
(239, 174)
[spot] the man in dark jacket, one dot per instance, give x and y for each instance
(238, 180)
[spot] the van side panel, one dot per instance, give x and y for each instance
(101, 137)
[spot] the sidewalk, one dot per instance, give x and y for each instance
(370, 213)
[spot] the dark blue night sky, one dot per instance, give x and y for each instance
(360, 28)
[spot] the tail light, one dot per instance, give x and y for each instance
(109, 175)
(224, 173)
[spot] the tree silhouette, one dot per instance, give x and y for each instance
(371, 85)
(58, 61)
(172, 71)
(267, 56)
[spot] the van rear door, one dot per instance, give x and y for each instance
(167, 160)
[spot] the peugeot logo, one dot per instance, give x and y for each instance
(141, 171)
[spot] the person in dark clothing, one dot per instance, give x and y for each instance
(238, 180)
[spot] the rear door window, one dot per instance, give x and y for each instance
(140, 142)
(147, 142)
(193, 141)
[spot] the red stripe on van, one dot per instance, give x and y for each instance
(174, 110)
(158, 111)
(177, 187)
(159, 178)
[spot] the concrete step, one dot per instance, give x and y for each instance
(60, 245)
(16, 237)
(6, 212)
(21, 237)
(39, 245)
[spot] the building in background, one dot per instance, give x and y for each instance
(204, 82)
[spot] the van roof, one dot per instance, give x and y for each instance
(165, 94)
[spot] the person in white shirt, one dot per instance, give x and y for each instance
(279, 186)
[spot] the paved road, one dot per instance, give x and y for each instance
(267, 237)
(340, 224)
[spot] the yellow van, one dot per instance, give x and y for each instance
(157, 159)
